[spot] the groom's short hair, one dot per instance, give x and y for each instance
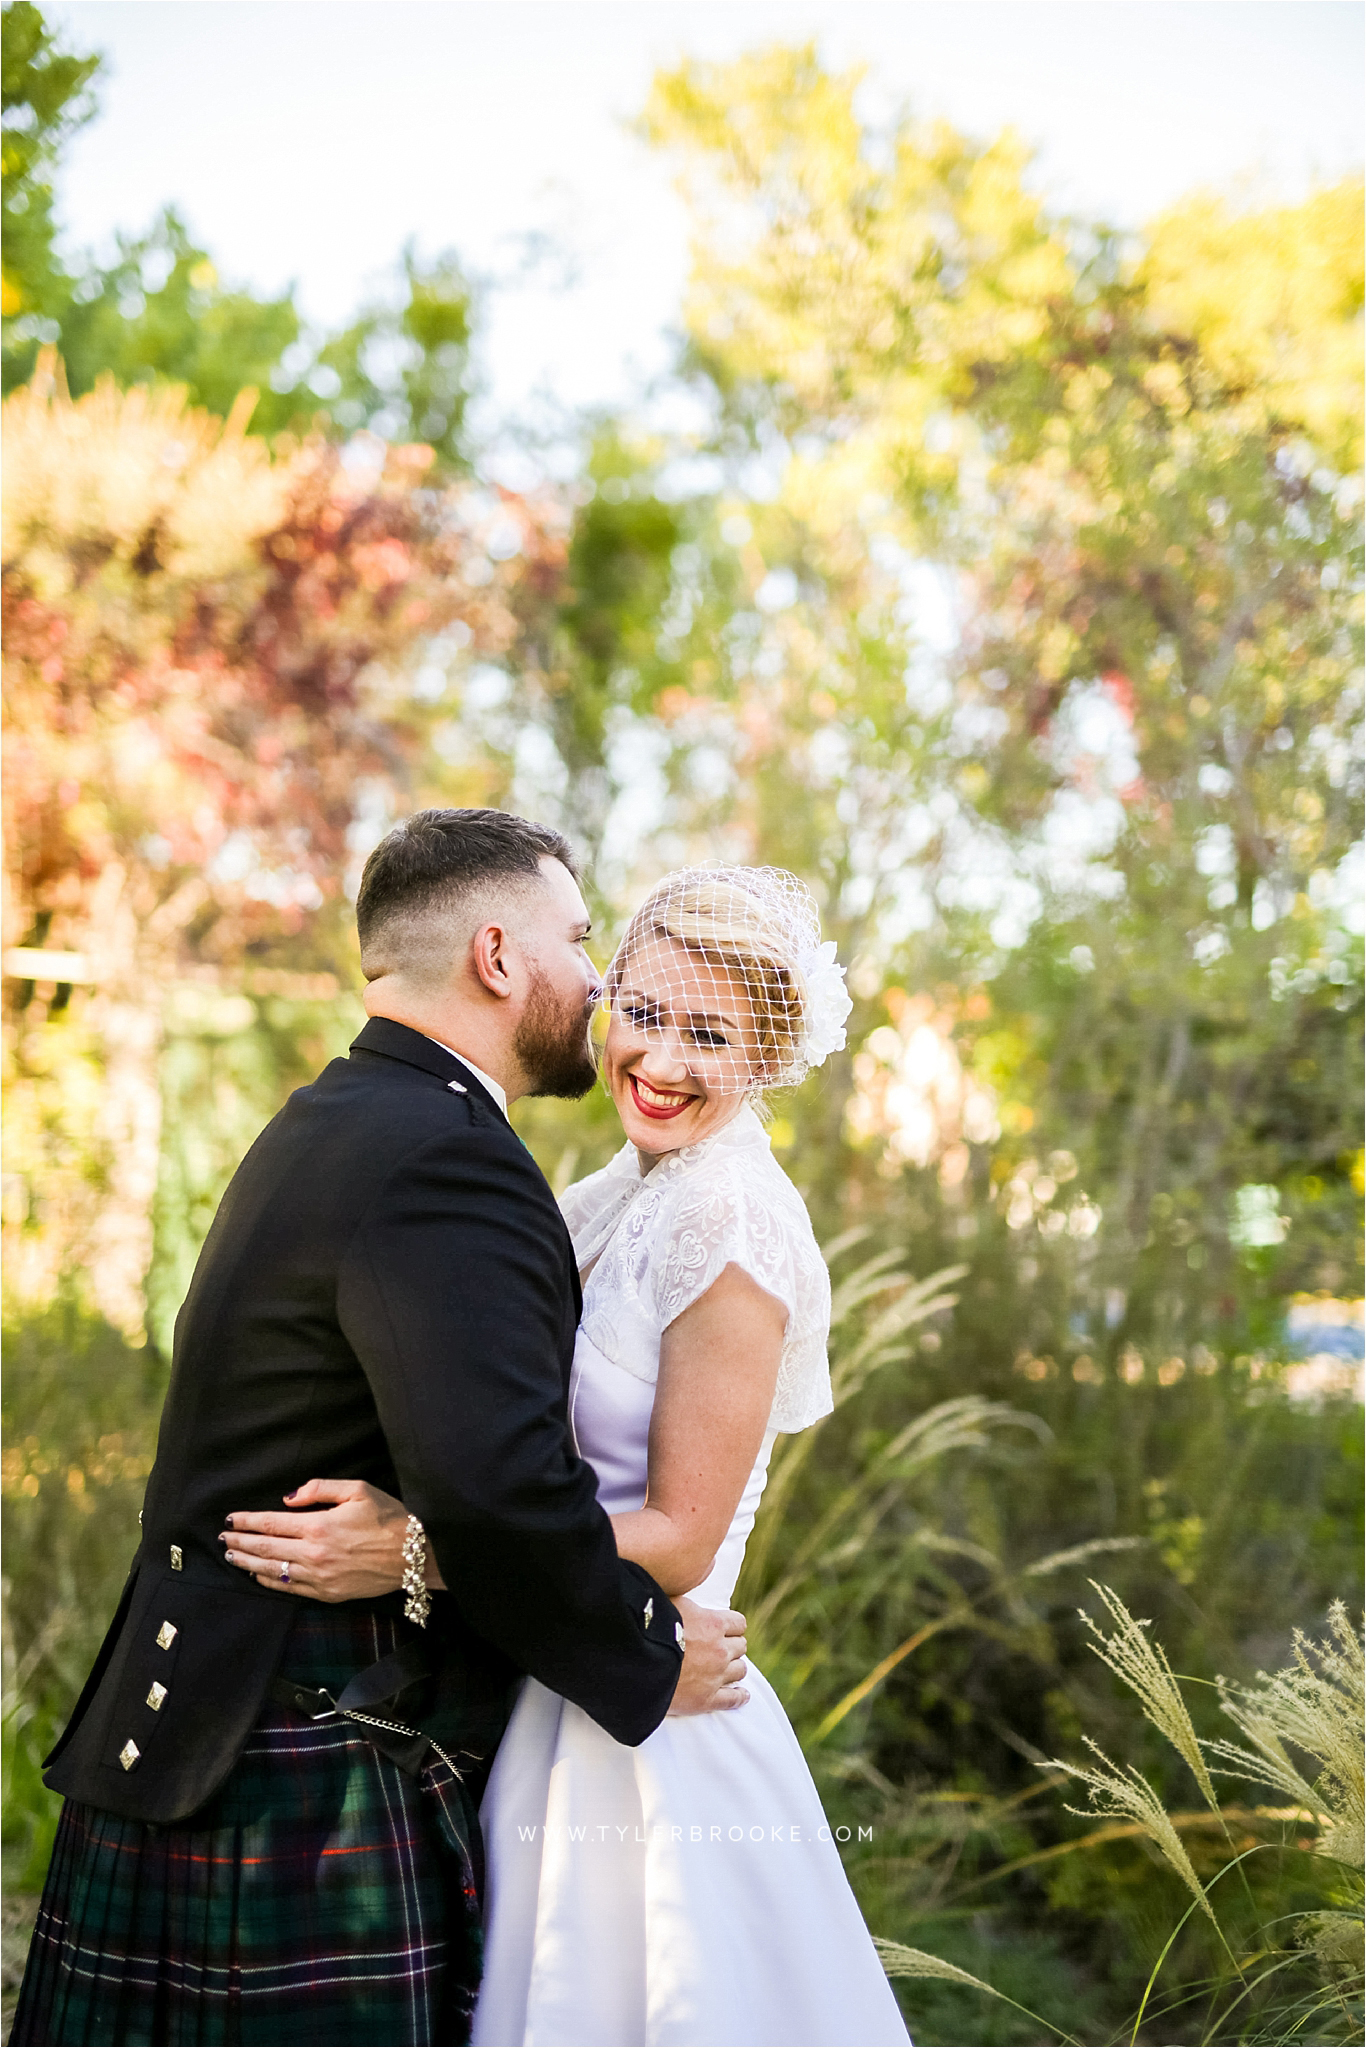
(433, 874)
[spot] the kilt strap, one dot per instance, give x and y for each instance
(314, 1702)
(378, 1683)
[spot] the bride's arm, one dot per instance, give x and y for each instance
(718, 1367)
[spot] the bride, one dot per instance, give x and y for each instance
(687, 1891)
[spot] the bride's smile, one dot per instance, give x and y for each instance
(652, 1102)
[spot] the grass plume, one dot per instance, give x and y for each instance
(1143, 1667)
(900, 1961)
(1126, 1793)
(1317, 1706)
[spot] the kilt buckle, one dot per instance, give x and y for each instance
(315, 1703)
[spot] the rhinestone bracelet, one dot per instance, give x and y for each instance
(417, 1604)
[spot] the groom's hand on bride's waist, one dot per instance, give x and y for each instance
(713, 1660)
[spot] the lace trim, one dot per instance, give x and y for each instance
(593, 1207)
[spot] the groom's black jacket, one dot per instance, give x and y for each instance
(388, 1293)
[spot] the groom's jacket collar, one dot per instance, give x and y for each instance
(401, 1042)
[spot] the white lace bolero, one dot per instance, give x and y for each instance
(662, 1238)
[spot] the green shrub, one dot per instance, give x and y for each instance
(919, 1615)
(80, 1416)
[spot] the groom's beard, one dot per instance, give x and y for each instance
(553, 1047)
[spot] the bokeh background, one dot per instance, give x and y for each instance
(919, 446)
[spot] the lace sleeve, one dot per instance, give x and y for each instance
(759, 1223)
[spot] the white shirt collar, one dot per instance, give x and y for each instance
(499, 1094)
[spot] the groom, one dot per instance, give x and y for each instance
(271, 1828)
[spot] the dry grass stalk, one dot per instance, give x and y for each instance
(962, 1424)
(1317, 1706)
(1060, 1560)
(1143, 1667)
(900, 1961)
(1128, 1792)
(1318, 1710)
(1335, 1939)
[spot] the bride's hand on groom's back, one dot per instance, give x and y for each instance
(349, 1550)
(713, 1660)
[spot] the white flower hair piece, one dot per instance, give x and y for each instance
(828, 1003)
(701, 935)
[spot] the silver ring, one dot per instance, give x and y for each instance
(284, 1572)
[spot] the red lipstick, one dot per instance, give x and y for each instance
(655, 1112)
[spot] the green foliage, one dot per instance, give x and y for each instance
(404, 371)
(620, 576)
(158, 313)
(226, 1066)
(44, 96)
(951, 1581)
(80, 1421)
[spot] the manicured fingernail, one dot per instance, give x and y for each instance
(295, 1495)
(222, 1535)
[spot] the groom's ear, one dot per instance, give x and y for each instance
(491, 954)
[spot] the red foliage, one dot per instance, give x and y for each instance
(208, 736)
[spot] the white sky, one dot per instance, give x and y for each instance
(307, 140)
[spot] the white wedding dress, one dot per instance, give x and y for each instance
(688, 1891)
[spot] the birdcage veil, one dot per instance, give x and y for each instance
(725, 966)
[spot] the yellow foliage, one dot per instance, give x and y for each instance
(105, 471)
(825, 265)
(1274, 300)
(900, 297)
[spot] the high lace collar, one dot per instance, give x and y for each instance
(739, 1133)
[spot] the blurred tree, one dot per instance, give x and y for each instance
(1273, 299)
(44, 97)
(1139, 472)
(402, 370)
(159, 314)
(210, 659)
(159, 311)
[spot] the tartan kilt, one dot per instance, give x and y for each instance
(322, 1896)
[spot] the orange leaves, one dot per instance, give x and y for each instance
(202, 638)
(382, 563)
(1120, 691)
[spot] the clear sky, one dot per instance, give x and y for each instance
(307, 140)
